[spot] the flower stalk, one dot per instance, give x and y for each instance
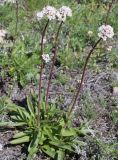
(76, 96)
(41, 71)
(52, 67)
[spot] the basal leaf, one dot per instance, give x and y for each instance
(47, 131)
(60, 155)
(11, 124)
(67, 147)
(30, 106)
(49, 151)
(20, 134)
(20, 140)
(68, 132)
(34, 143)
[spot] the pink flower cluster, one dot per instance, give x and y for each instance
(63, 12)
(52, 13)
(105, 31)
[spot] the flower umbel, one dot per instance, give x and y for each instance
(50, 12)
(63, 12)
(46, 58)
(105, 31)
(39, 15)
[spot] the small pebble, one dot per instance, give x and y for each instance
(115, 90)
(1, 147)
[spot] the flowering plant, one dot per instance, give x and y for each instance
(45, 126)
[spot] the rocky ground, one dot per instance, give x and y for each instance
(97, 91)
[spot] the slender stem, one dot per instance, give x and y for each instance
(41, 70)
(52, 67)
(75, 97)
(16, 17)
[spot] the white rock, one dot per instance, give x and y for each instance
(1, 147)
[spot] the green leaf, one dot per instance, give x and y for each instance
(81, 143)
(30, 106)
(67, 147)
(12, 106)
(32, 153)
(6, 124)
(23, 114)
(18, 110)
(49, 151)
(62, 122)
(55, 143)
(16, 118)
(3, 106)
(61, 155)
(84, 131)
(20, 140)
(20, 134)
(63, 145)
(33, 147)
(19, 124)
(68, 132)
(42, 138)
(47, 131)
(11, 124)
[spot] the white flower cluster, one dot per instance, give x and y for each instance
(39, 15)
(2, 35)
(52, 13)
(46, 58)
(105, 31)
(63, 12)
(49, 12)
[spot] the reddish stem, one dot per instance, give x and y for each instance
(41, 70)
(75, 97)
(52, 67)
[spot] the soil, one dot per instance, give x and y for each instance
(97, 85)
